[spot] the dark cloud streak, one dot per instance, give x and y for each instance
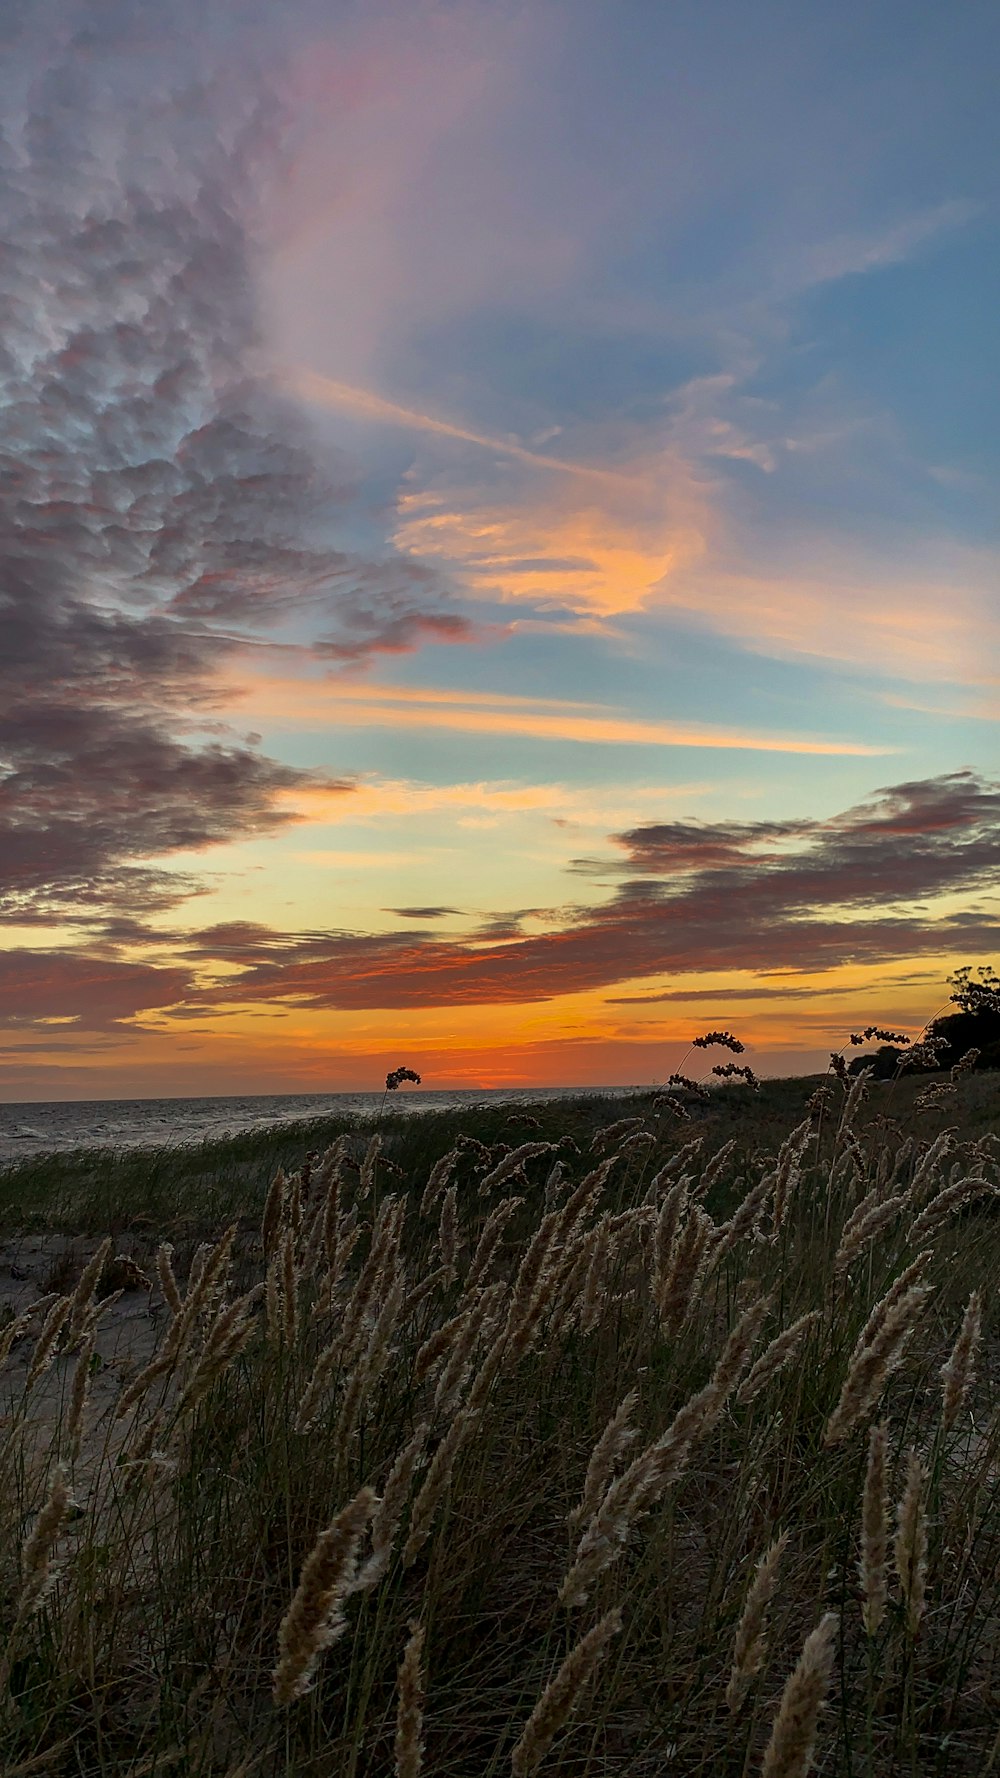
(849, 893)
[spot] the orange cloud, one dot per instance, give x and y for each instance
(348, 704)
(925, 627)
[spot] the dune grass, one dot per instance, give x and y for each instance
(509, 1442)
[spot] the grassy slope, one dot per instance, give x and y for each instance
(178, 1192)
(155, 1648)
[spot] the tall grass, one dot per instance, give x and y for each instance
(594, 1455)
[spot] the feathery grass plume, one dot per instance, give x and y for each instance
(532, 1267)
(489, 1239)
(744, 1219)
(860, 1229)
(311, 1399)
(48, 1339)
(207, 1273)
(434, 1281)
(436, 1482)
(409, 1749)
(293, 1207)
(748, 1643)
(635, 1144)
(714, 1169)
(328, 1226)
(323, 1207)
(459, 1362)
(447, 1236)
(289, 1291)
(169, 1288)
(439, 1341)
(793, 1734)
(677, 1165)
(927, 1167)
(315, 1617)
(667, 1224)
(910, 1544)
(438, 1178)
(36, 1565)
(776, 1357)
(79, 1391)
(956, 1372)
(511, 1164)
(680, 1286)
(390, 1507)
(372, 1362)
(274, 1213)
(377, 1269)
(98, 1311)
(349, 1233)
(870, 1370)
(659, 1465)
(592, 1298)
(617, 1435)
(523, 1329)
(565, 1279)
(83, 1295)
(874, 1530)
(208, 1268)
(788, 1171)
(333, 1180)
(946, 1202)
(229, 1335)
(554, 1184)
(369, 1167)
(275, 1314)
(897, 1161)
(612, 1133)
(561, 1695)
(857, 1095)
(198, 1264)
(887, 1303)
(20, 1324)
(582, 1199)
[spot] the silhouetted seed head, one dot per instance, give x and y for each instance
(874, 1531)
(748, 1643)
(562, 1695)
(793, 1734)
(777, 1356)
(315, 1617)
(617, 1435)
(48, 1339)
(83, 1295)
(873, 1366)
(410, 1707)
(911, 1542)
(956, 1372)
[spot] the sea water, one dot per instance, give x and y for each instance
(59, 1126)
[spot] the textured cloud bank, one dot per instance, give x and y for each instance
(750, 896)
(158, 506)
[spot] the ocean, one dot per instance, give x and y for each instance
(59, 1126)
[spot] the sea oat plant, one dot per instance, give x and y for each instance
(349, 1411)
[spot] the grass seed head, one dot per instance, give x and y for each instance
(793, 1734)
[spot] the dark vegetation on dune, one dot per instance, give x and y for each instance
(602, 1437)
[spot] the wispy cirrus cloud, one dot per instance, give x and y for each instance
(368, 704)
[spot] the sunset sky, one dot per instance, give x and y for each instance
(500, 536)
